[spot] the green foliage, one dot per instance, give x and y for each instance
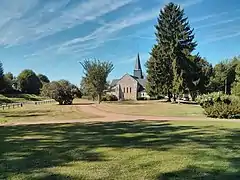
(76, 91)
(236, 89)
(170, 67)
(2, 84)
(28, 82)
(43, 78)
(62, 91)
(9, 75)
(218, 105)
(236, 85)
(87, 89)
(159, 79)
(224, 75)
(8, 80)
(96, 73)
(200, 74)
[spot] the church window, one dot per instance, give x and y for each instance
(127, 89)
(130, 90)
(124, 89)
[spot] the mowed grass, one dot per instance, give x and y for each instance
(43, 112)
(121, 150)
(154, 109)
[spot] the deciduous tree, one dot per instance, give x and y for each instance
(43, 78)
(96, 73)
(28, 82)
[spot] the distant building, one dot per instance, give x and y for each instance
(130, 87)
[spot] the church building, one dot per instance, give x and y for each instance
(130, 87)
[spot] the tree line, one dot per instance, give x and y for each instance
(174, 70)
(28, 82)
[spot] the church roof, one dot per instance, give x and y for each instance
(114, 82)
(142, 82)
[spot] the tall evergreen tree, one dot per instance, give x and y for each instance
(2, 83)
(159, 74)
(175, 43)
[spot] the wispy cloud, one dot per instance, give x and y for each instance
(219, 38)
(218, 23)
(28, 20)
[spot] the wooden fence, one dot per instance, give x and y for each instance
(21, 104)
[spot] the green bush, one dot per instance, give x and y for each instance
(61, 91)
(218, 105)
(109, 97)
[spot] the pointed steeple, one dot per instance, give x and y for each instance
(138, 70)
(138, 63)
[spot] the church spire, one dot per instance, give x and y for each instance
(138, 69)
(138, 63)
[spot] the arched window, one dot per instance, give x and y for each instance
(127, 89)
(124, 89)
(130, 90)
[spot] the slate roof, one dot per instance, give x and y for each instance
(114, 82)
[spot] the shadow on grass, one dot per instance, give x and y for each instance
(195, 173)
(28, 148)
(25, 113)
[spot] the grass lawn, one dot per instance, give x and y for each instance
(31, 112)
(154, 108)
(13, 98)
(121, 150)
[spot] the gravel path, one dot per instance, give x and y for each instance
(110, 117)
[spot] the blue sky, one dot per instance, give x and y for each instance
(51, 36)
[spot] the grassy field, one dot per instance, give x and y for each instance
(121, 150)
(153, 108)
(13, 98)
(31, 112)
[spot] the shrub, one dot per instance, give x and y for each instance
(109, 97)
(61, 91)
(218, 105)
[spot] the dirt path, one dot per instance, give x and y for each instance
(109, 117)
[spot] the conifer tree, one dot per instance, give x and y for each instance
(175, 43)
(159, 74)
(2, 83)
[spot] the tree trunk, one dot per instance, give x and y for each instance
(169, 96)
(174, 98)
(178, 99)
(99, 98)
